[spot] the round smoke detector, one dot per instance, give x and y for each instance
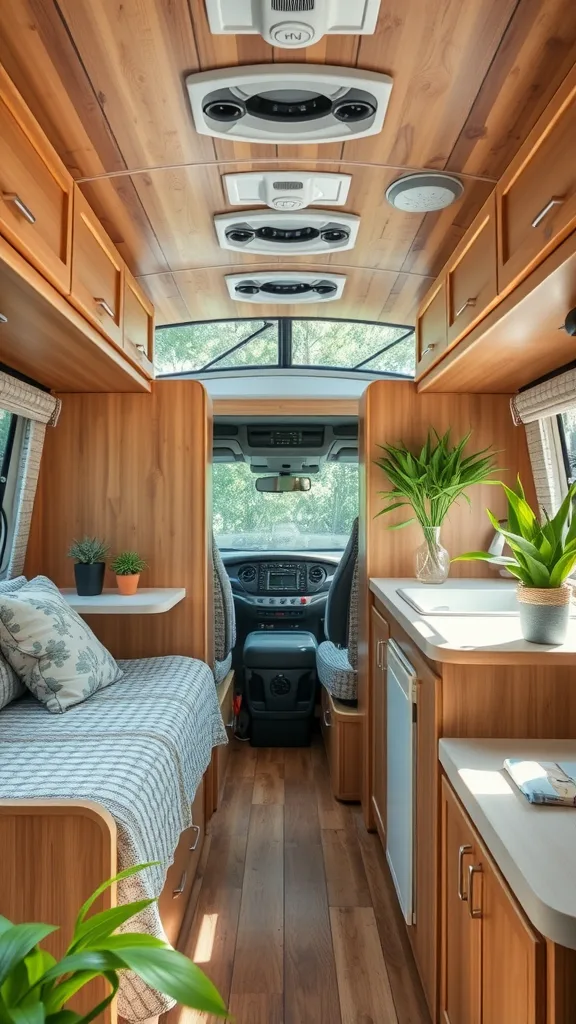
(424, 193)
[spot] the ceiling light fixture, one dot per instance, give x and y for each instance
(424, 192)
(292, 23)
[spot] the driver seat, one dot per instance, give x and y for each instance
(337, 656)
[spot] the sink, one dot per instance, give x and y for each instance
(447, 600)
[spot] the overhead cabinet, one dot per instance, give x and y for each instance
(138, 325)
(97, 272)
(471, 280)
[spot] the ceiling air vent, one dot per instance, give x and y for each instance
(281, 287)
(291, 234)
(289, 103)
(293, 23)
(287, 190)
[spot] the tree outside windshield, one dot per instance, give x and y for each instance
(316, 520)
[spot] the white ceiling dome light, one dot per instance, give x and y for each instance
(293, 23)
(284, 288)
(424, 192)
(287, 234)
(289, 103)
(287, 190)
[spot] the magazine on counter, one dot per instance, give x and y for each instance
(544, 782)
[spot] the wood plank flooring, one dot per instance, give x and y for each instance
(297, 920)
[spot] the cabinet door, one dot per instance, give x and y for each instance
(431, 328)
(174, 898)
(379, 633)
(97, 272)
(138, 325)
(35, 191)
(537, 194)
(513, 955)
(471, 275)
(461, 933)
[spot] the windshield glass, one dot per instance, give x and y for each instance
(316, 520)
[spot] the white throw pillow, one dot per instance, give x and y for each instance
(51, 648)
(11, 686)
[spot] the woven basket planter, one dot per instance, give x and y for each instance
(544, 613)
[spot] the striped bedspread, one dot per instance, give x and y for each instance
(139, 748)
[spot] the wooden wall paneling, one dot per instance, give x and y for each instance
(169, 304)
(136, 470)
(285, 407)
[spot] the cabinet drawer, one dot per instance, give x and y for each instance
(431, 328)
(471, 276)
(138, 327)
(97, 272)
(182, 872)
(537, 195)
(35, 191)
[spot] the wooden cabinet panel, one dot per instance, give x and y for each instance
(431, 327)
(138, 325)
(35, 191)
(379, 633)
(342, 732)
(461, 945)
(471, 274)
(537, 195)
(97, 272)
(182, 872)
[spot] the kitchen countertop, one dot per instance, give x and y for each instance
(469, 639)
(533, 846)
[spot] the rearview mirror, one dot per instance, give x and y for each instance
(281, 484)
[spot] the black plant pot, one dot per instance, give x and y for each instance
(89, 578)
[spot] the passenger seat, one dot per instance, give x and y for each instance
(337, 656)
(224, 617)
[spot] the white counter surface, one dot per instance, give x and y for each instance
(533, 846)
(469, 639)
(146, 601)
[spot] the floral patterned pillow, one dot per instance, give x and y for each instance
(51, 648)
(11, 686)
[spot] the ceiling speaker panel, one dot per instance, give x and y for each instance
(287, 234)
(283, 288)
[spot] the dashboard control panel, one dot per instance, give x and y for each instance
(282, 576)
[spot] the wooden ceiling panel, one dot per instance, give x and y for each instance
(117, 204)
(168, 302)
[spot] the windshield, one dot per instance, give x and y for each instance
(316, 520)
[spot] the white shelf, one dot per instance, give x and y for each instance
(146, 601)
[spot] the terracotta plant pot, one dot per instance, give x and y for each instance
(128, 585)
(544, 613)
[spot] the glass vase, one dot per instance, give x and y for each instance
(432, 560)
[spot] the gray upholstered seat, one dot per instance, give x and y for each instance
(337, 656)
(224, 618)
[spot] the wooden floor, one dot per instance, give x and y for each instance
(296, 920)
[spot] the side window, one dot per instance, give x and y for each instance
(8, 425)
(567, 428)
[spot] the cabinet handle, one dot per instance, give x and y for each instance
(327, 718)
(461, 852)
(198, 831)
(178, 892)
(465, 305)
(555, 201)
(3, 319)
(429, 348)
(474, 869)
(104, 305)
(380, 653)
(12, 197)
(141, 349)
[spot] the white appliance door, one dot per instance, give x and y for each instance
(401, 763)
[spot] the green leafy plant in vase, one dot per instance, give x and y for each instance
(543, 556)
(36, 989)
(428, 482)
(90, 555)
(128, 566)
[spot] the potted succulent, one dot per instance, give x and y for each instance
(543, 557)
(36, 989)
(128, 565)
(90, 555)
(428, 482)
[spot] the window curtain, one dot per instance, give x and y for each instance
(39, 409)
(550, 398)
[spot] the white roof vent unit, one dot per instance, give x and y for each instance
(282, 287)
(287, 234)
(289, 103)
(293, 23)
(287, 190)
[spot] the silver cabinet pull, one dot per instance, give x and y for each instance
(104, 305)
(178, 892)
(380, 653)
(141, 349)
(465, 305)
(12, 197)
(429, 348)
(461, 853)
(327, 718)
(474, 869)
(555, 201)
(198, 831)
(3, 319)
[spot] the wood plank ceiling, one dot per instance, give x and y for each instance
(105, 80)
